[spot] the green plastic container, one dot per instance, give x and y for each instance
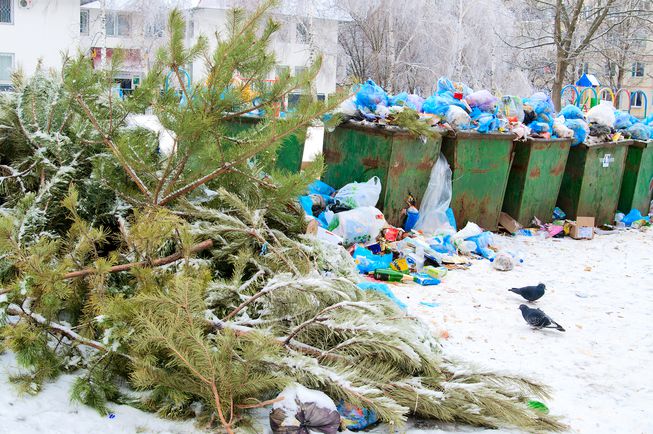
(637, 183)
(401, 160)
(480, 165)
(289, 153)
(592, 181)
(535, 177)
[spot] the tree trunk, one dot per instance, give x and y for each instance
(558, 81)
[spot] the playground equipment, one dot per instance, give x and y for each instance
(583, 103)
(609, 91)
(570, 87)
(169, 83)
(617, 96)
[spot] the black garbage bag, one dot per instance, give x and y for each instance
(304, 411)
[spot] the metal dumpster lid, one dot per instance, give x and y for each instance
(383, 130)
(606, 144)
(641, 143)
(476, 135)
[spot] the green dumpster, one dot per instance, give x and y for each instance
(592, 181)
(289, 153)
(637, 183)
(402, 160)
(535, 177)
(480, 165)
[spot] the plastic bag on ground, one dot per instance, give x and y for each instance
(503, 262)
(357, 194)
(433, 210)
(458, 118)
(602, 114)
(360, 225)
(470, 230)
(366, 261)
(482, 99)
(356, 418)
(633, 216)
(381, 288)
(304, 411)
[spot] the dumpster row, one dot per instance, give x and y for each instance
(492, 173)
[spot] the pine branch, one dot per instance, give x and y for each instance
(25, 312)
(204, 245)
(107, 141)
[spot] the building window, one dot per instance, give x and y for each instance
(281, 70)
(6, 11)
(155, 29)
(6, 69)
(583, 68)
(303, 35)
(611, 69)
(636, 100)
(83, 22)
(118, 24)
(637, 70)
(299, 70)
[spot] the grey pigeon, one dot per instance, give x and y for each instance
(530, 293)
(538, 319)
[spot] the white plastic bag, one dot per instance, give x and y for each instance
(602, 114)
(458, 117)
(561, 130)
(357, 194)
(436, 200)
(360, 225)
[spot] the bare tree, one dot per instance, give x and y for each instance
(567, 29)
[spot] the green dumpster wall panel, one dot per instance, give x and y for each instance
(480, 165)
(402, 161)
(535, 177)
(289, 153)
(638, 178)
(592, 181)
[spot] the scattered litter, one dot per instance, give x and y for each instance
(429, 304)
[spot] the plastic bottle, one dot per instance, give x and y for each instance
(412, 215)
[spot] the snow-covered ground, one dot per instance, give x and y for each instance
(599, 371)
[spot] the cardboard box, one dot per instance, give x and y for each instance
(582, 229)
(509, 223)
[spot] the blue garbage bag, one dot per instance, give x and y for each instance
(541, 103)
(483, 242)
(443, 244)
(622, 120)
(572, 112)
(580, 129)
(639, 131)
(307, 204)
(633, 216)
(383, 289)
(540, 127)
(320, 187)
(408, 100)
(366, 261)
(370, 95)
(487, 122)
(436, 105)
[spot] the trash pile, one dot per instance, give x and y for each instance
(602, 123)
(421, 251)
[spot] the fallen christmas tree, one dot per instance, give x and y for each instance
(185, 272)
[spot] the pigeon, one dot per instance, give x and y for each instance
(530, 293)
(538, 319)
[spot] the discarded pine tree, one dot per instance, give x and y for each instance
(184, 272)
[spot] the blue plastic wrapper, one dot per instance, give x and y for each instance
(307, 204)
(320, 187)
(483, 242)
(633, 216)
(541, 103)
(639, 131)
(622, 120)
(580, 129)
(383, 289)
(487, 122)
(452, 219)
(540, 127)
(366, 261)
(355, 418)
(572, 112)
(558, 214)
(370, 95)
(442, 244)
